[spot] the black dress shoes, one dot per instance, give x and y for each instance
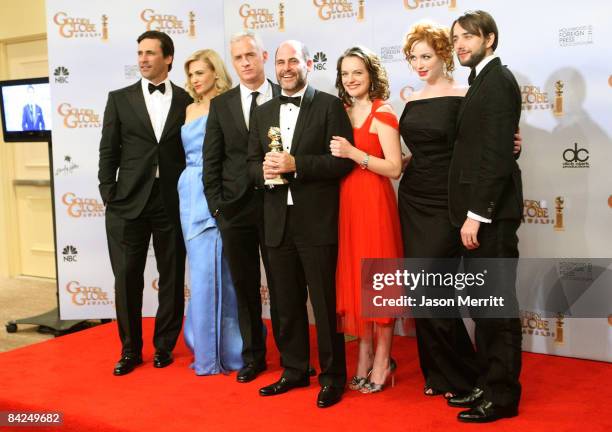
(249, 372)
(467, 400)
(162, 359)
(487, 412)
(283, 385)
(329, 396)
(126, 364)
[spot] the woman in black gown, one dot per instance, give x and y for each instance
(427, 126)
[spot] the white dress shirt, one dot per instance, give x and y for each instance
(288, 118)
(479, 67)
(158, 107)
(265, 94)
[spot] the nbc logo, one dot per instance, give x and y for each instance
(61, 75)
(320, 61)
(70, 254)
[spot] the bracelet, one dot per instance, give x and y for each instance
(364, 163)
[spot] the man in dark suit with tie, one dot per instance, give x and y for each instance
(32, 117)
(301, 219)
(486, 201)
(141, 159)
(234, 202)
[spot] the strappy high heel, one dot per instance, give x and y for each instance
(357, 382)
(370, 387)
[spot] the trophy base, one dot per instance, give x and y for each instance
(275, 181)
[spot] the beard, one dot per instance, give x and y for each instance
(475, 58)
(300, 82)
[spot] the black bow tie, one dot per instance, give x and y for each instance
(288, 99)
(472, 77)
(161, 88)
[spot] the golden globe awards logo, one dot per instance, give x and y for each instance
(87, 295)
(73, 27)
(78, 207)
(537, 212)
(186, 291)
(339, 9)
(167, 23)
(534, 325)
(254, 18)
(535, 99)
(417, 4)
(78, 117)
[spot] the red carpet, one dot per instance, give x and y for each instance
(72, 375)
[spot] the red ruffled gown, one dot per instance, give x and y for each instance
(369, 226)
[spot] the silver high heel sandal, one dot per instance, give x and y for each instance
(357, 382)
(370, 387)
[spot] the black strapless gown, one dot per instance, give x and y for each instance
(428, 129)
(428, 126)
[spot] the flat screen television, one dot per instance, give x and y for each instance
(26, 109)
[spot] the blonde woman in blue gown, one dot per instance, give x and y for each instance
(211, 328)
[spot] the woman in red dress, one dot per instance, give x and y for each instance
(369, 222)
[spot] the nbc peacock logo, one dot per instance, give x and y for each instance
(69, 254)
(320, 61)
(60, 75)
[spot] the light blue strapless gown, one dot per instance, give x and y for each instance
(211, 328)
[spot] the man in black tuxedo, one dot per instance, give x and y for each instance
(234, 202)
(486, 201)
(301, 219)
(32, 116)
(141, 138)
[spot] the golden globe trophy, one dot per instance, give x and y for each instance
(191, 24)
(558, 108)
(559, 337)
(104, 27)
(559, 214)
(274, 133)
(361, 10)
(281, 17)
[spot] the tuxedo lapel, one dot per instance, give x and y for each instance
(174, 114)
(276, 90)
(274, 116)
(475, 86)
(235, 106)
(137, 101)
(305, 107)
